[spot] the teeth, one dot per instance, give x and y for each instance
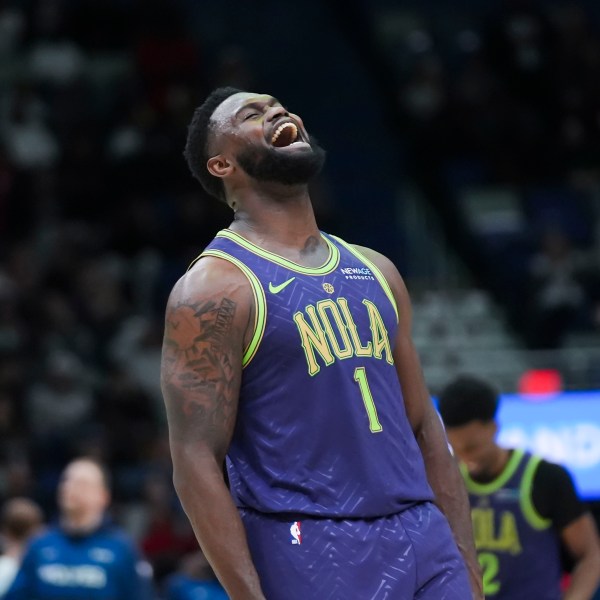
(281, 128)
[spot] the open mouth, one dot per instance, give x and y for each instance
(285, 135)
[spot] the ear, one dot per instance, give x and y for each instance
(219, 166)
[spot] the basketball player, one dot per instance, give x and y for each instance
(522, 506)
(287, 354)
(83, 557)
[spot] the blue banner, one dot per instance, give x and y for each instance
(563, 428)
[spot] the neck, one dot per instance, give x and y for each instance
(276, 217)
(80, 523)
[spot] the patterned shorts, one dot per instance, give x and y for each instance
(407, 556)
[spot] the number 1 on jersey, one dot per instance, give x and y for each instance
(360, 376)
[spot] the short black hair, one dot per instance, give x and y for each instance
(467, 399)
(196, 147)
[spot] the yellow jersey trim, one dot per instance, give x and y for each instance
(260, 302)
(496, 484)
(329, 266)
(525, 496)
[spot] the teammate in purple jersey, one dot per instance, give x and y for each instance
(523, 507)
(288, 359)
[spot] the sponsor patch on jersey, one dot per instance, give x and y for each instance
(357, 273)
(296, 532)
(328, 288)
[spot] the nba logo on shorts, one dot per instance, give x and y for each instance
(296, 533)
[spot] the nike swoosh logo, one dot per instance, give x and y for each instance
(275, 289)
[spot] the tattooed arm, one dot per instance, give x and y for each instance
(206, 328)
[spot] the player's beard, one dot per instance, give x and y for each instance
(289, 168)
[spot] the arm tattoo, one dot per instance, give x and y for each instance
(198, 377)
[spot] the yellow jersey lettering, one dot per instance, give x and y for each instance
(359, 348)
(506, 539)
(313, 338)
(381, 340)
(329, 306)
(328, 330)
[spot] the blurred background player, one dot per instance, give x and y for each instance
(523, 507)
(83, 556)
(20, 520)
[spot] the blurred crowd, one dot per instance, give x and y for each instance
(501, 112)
(99, 216)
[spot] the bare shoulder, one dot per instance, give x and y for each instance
(213, 290)
(372, 255)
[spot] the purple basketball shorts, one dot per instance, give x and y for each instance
(406, 556)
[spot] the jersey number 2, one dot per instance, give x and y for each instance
(490, 567)
(360, 376)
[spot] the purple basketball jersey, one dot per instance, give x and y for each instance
(518, 550)
(322, 428)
